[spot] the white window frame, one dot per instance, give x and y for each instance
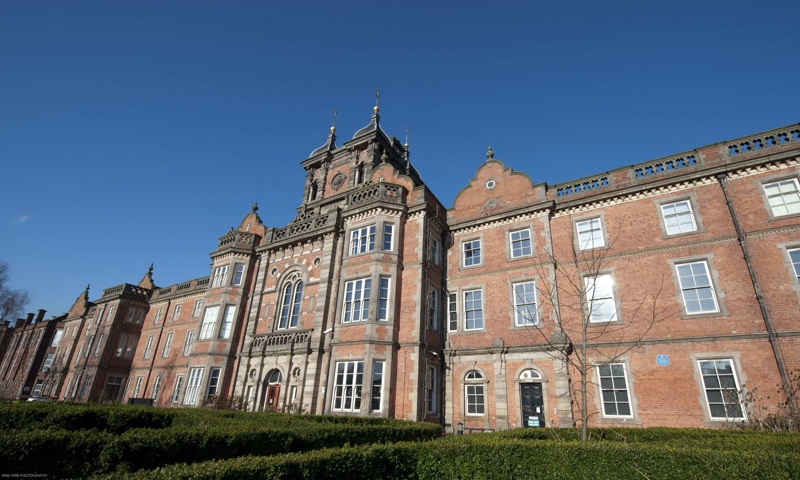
(168, 344)
(615, 388)
(227, 321)
(384, 294)
(794, 259)
(362, 240)
(109, 313)
(138, 388)
(525, 305)
(157, 318)
(433, 309)
(355, 307)
(715, 378)
(471, 313)
(187, 345)
(787, 189)
(474, 394)
(291, 305)
(156, 387)
(148, 348)
(99, 344)
(198, 307)
(600, 298)
(452, 312)
(347, 387)
(678, 217)
(176, 391)
(517, 245)
(176, 313)
(57, 337)
(37, 388)
(220, 276)
(435, 251)
(471, 253)
(432, 391)
(193, 386)
(209, 322)
(214, 377)
(238, 274)
(48, 361)
(590, 234)
(376, 396)
(388, 237)
(690, 288)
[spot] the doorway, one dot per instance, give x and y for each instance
(531, 399)
(273, 391)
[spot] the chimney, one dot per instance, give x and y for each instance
(40, 317)
(30, 318)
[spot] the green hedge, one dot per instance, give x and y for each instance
(112, 418)
(492, 457)
(497, 457)
(80, 452)
(377, 462)
(719, 439)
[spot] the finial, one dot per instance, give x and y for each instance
(406, 145)
(87, 287)
(489, 154)
(377, 99)
(333, 127)
(255, 207)
(384, 157)
(150, 270)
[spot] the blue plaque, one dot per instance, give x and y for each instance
(662, 360)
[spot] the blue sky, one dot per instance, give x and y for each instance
(139, 132)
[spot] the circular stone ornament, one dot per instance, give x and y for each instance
(337, 181)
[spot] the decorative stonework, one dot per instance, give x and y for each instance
(607, 202)
(767, 167)
(338, 181)
(372, 213)
(501, 222)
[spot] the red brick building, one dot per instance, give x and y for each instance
(671, 284)
(30, 351)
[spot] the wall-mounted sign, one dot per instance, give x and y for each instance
(662, 360)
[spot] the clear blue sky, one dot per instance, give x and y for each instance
(139, 132)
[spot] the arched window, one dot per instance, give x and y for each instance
(530, 375)
(474, 392)
(291, 305)
(274, 377)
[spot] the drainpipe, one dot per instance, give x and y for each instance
(773, 339)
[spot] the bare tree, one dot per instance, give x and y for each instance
(12, 302)
(587, 313)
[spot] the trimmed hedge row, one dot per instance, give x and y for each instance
(375, 462)
(119, 418)
(64, 453)
(734, 440)
(494, 457)
(116, 419)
